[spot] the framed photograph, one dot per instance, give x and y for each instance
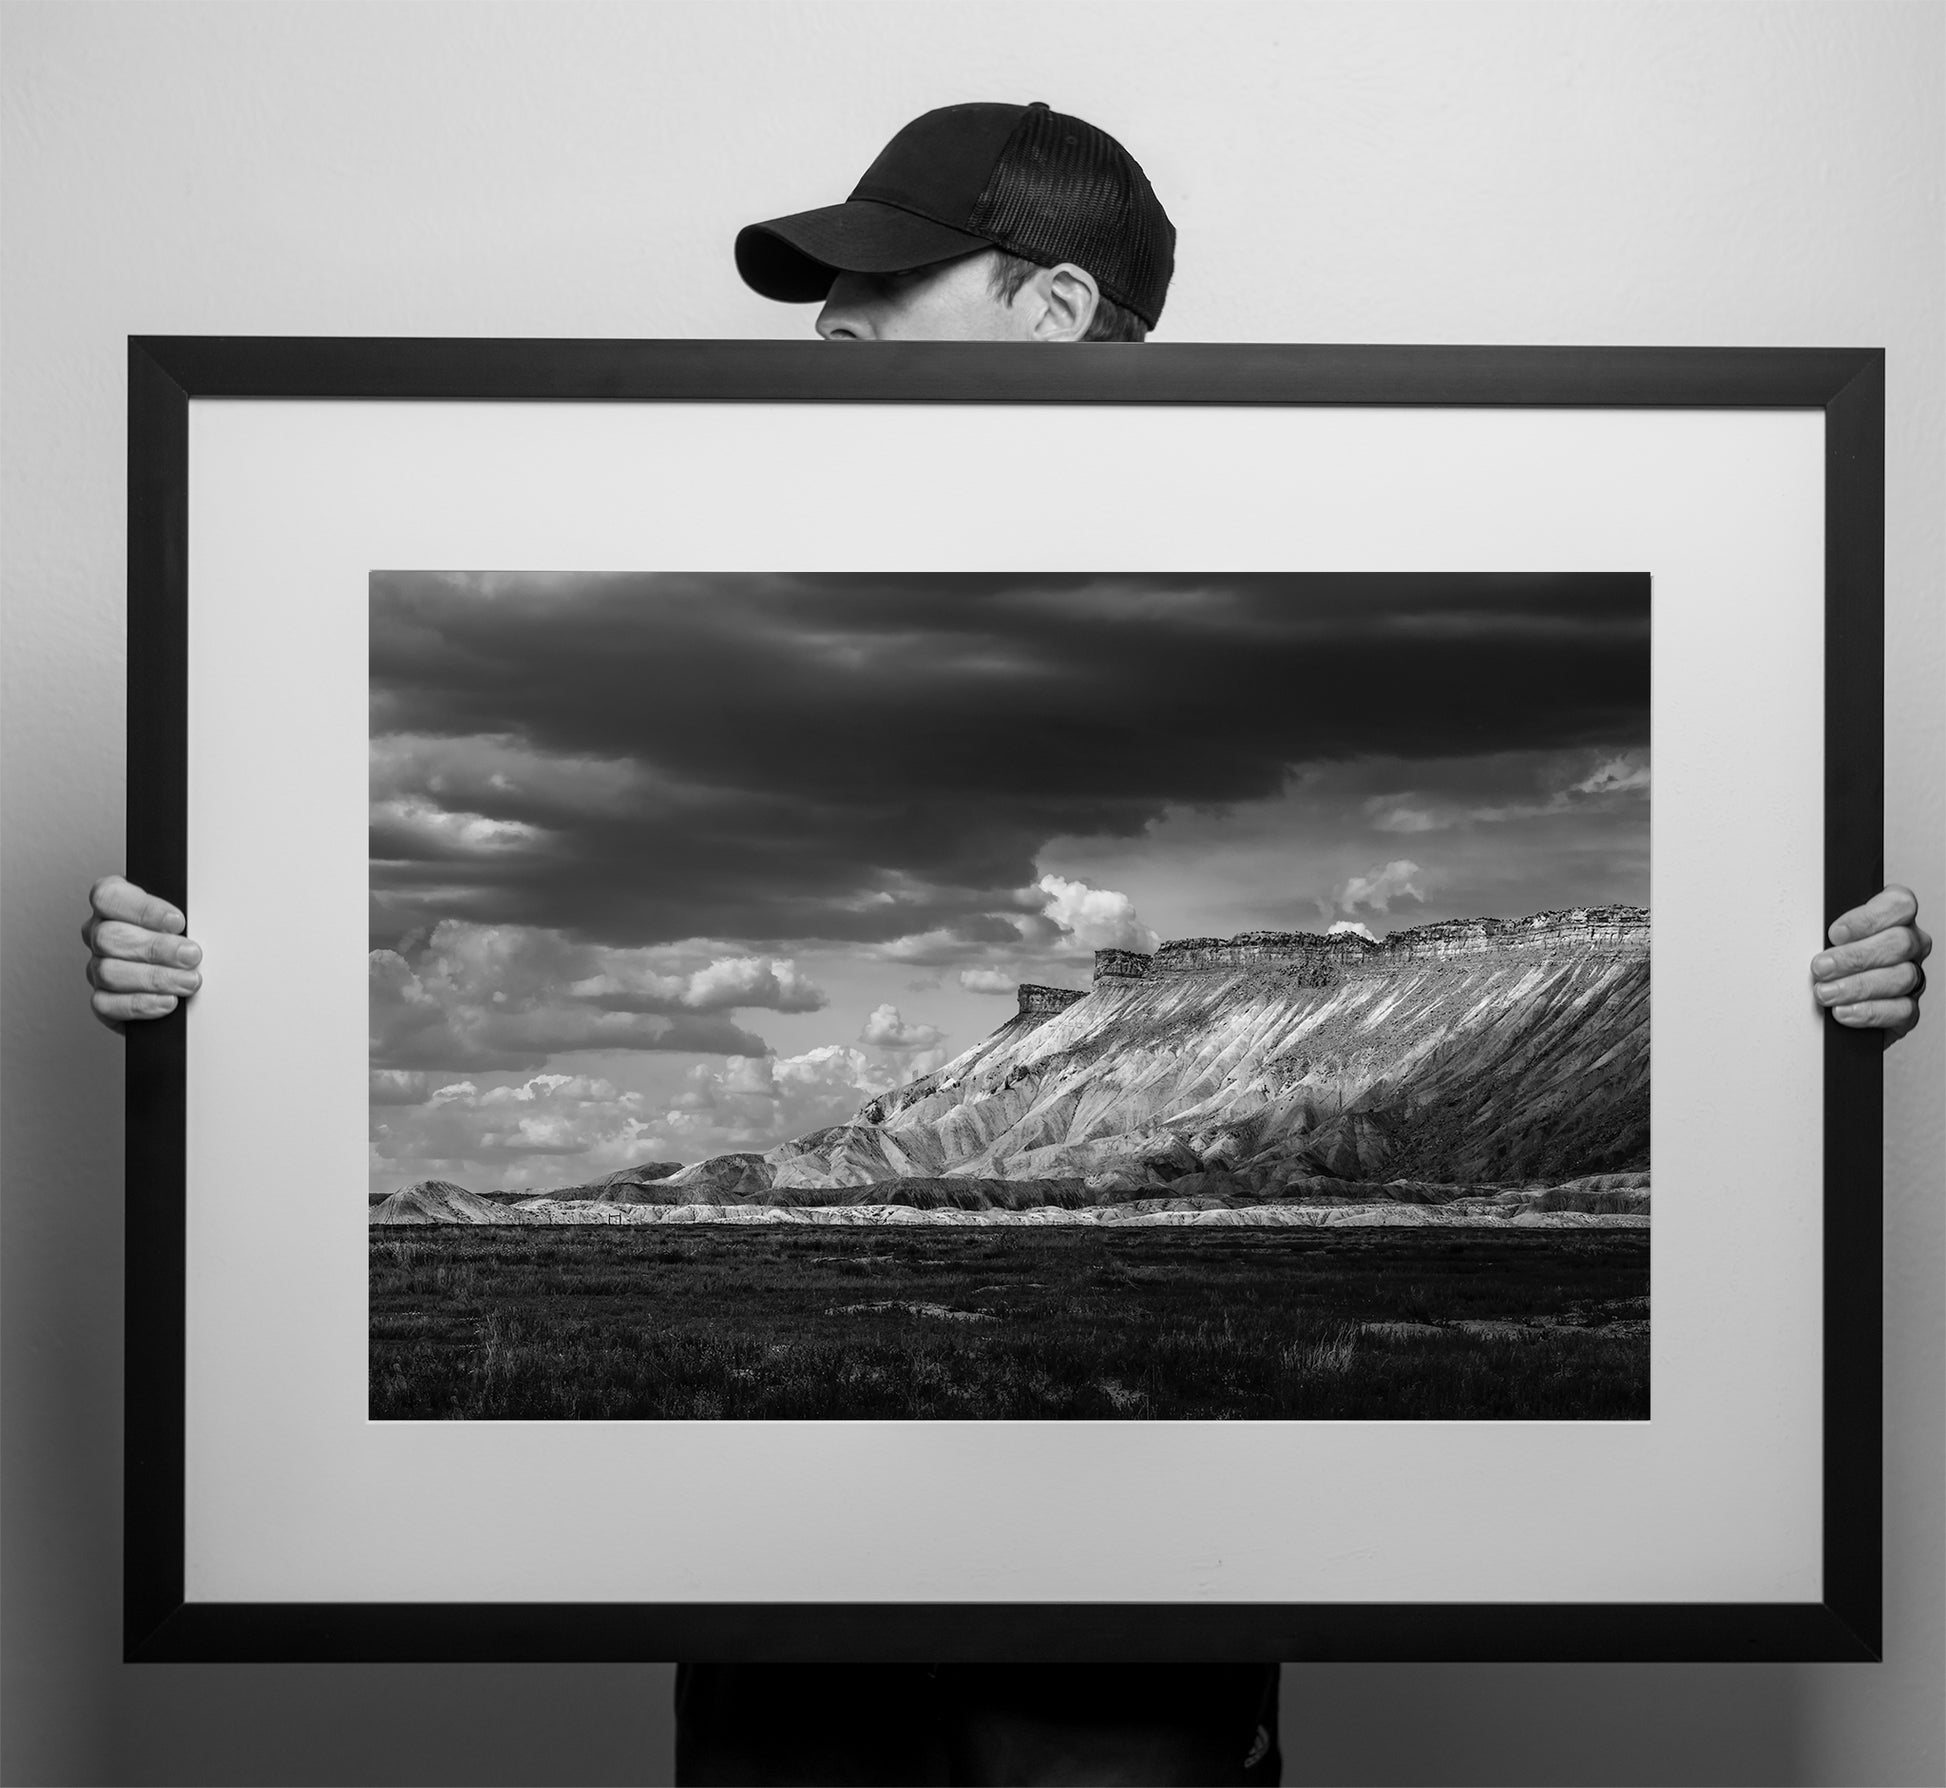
(1146, 1002)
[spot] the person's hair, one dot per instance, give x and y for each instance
(1111, 321)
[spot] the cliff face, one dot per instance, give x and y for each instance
(1320, 961)
(1481, 1051)
(1039, 1002)
(1470, 1053)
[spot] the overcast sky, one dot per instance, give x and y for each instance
(664, 864)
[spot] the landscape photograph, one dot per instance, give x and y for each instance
(1009, 996)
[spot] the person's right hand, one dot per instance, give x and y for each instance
(139, 963)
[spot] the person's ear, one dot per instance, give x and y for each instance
(1068, 296)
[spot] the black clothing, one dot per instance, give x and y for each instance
(871, 1724)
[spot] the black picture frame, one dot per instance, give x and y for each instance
(166, 373)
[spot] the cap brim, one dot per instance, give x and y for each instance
(795, 259)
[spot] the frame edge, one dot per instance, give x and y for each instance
(1854, 856)
(165, 372)
(155, 1265)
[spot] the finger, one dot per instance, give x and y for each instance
(1897, 1016)
(115, 897)
(1901, 980)
(1895, 905)
(133, 943)
(109, 975)
(116, 1009)
(1880, 950)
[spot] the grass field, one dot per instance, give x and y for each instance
(569, 1324)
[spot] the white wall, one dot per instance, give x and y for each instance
(1618, 173)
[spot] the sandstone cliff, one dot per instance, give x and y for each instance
(1436, 1069)
(1479, 1051)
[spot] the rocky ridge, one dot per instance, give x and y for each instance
(1474, 1060)
(1481, 1051)
(1324, 960)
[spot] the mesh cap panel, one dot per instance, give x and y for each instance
(1064, 191)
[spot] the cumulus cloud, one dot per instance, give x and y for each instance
(758, 1101)
(478, 997)
(632, 978)
(1039, 925)
(550, 1130)
(1094, 918)
(1357, 928)
(553, 1130)
(401, 1086)
(1377, 888)
(1031, 932)
(885, 1028)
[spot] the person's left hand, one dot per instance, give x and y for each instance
(1871, 979)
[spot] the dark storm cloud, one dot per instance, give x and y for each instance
(646, 757)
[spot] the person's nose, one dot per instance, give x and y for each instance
(847, 312)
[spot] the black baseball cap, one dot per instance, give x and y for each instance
(1033, 182)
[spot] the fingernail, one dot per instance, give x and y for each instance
(1822, 965)
(172, 917)
(188, 955)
